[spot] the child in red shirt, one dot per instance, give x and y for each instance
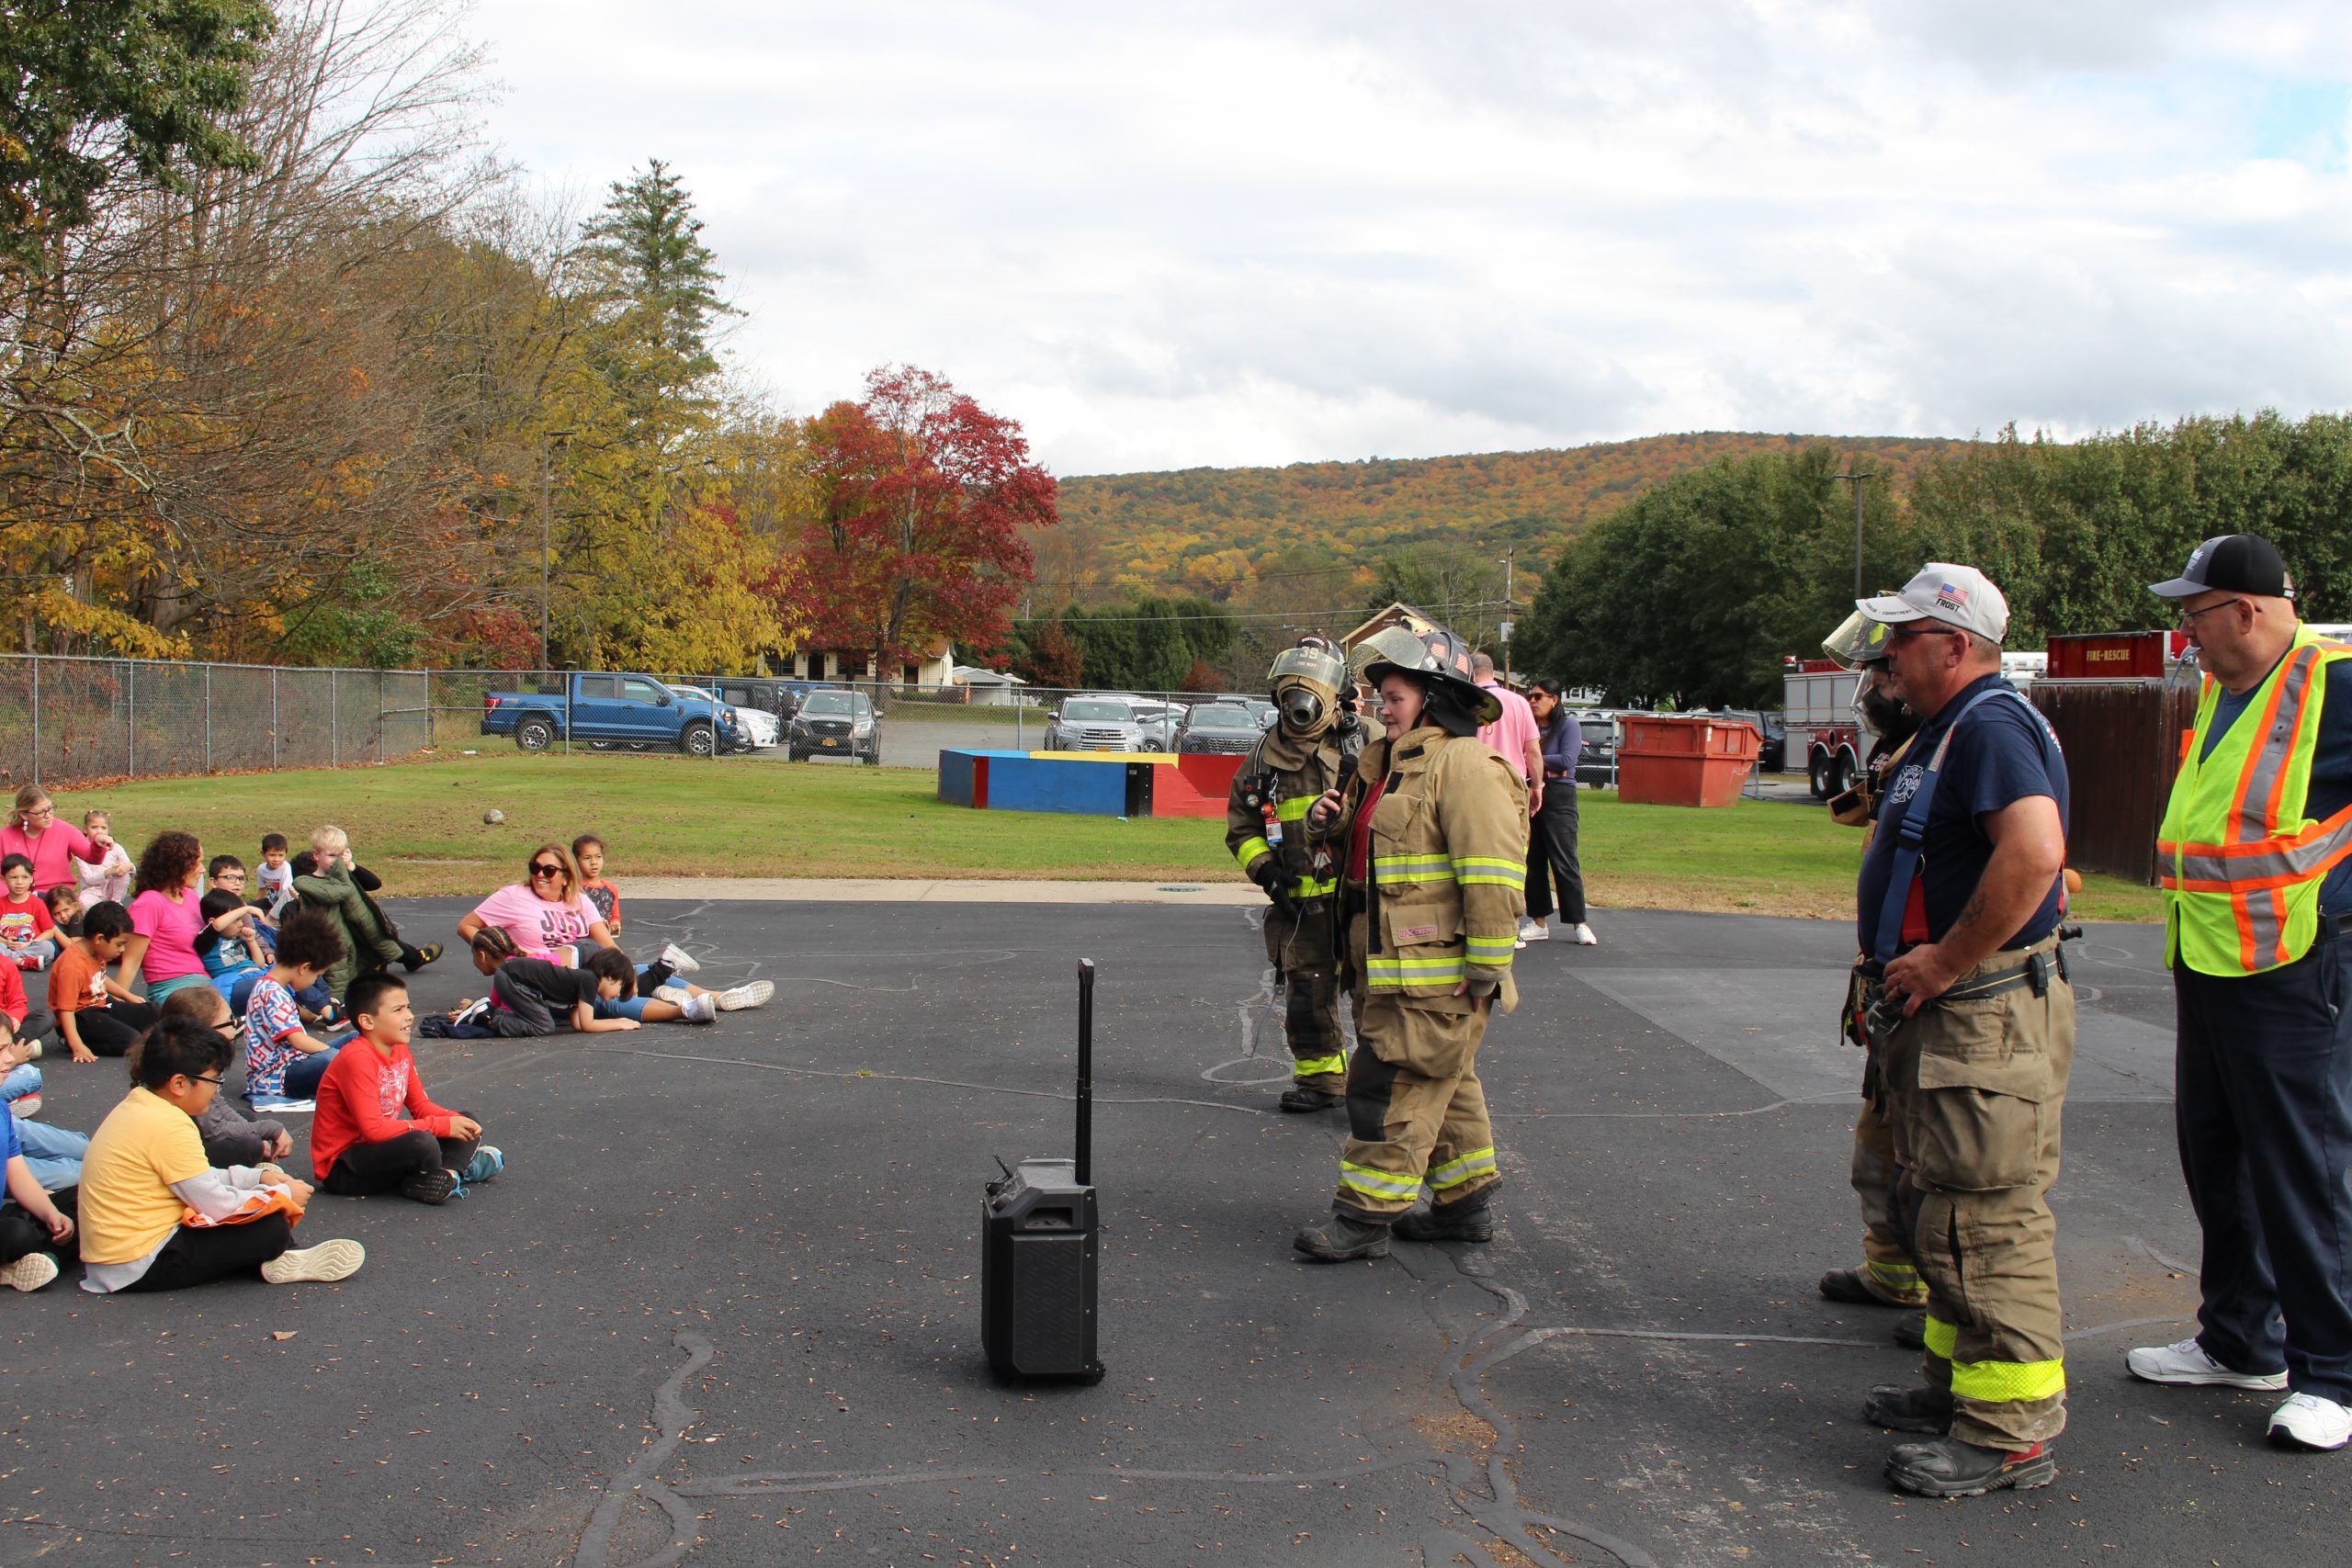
(28, 935)
(377, 1131)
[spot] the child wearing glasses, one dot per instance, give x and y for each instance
(157, 1215)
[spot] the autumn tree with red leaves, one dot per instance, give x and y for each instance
(922, 497)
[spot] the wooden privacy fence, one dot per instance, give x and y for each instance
(2122, 743)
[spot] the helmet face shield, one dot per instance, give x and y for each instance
(1430, 652)
(1858, 640)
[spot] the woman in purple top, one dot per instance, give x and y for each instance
(1552, 833)
(34, 832)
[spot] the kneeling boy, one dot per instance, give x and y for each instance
(376, 1129)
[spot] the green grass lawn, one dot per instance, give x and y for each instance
(419, 824)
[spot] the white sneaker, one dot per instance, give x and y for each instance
(328, 1261)
(1585, 937)
(1534, 930)
(678, 995)
(703, 1009)
(679, 960)
(30, 1272)
(2307, 1421)
(749, 994)
(2187, 1365)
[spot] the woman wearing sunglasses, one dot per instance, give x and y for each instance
(548, 916)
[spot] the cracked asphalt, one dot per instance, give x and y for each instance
(723, 1308)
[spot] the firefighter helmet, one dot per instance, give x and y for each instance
(1305, 682)
(1858, 641)
(1422, 648)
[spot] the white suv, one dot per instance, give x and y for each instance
(1098, 724)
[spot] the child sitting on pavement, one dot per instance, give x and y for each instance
(155, 1214)
(54, 1153)
(284, 1063)
(377, 1131)
(228, 876)
(96, 1015)
(36, 1225)
(231, 1134)
(27, 931)
(234, 958)
(64, 912)
(274, 878)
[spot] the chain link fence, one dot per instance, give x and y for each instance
(65, 720)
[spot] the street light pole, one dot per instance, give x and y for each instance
(1856, 481)
(547, 532)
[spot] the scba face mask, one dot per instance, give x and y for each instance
(1305, 707)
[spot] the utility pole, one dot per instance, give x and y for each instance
(547, 532)
(1856, 480)
(1502, 630)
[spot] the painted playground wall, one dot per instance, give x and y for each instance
(1088, 783)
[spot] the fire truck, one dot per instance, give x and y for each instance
(1819, 697)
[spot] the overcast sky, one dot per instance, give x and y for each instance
(1168, 235)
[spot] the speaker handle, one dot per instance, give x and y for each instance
(1085, 1070)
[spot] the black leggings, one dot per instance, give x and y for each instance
(194, 1255)
(365, 1168)
(111, 1030)
(21, 1234)
(1552, 855)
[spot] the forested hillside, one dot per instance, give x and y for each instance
(1216, 531)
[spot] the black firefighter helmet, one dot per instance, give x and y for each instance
(1439, 660)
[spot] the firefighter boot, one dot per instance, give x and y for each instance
(1910, 1330)
(1950, 1468)
(1923, 1410)
(1471, 1219)
(1342, 1240)
(1299, 1098)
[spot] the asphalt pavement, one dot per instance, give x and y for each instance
(723, 1307)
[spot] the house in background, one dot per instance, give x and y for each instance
(987, 688)
(938, 669)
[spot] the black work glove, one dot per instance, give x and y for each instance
(1269, 877)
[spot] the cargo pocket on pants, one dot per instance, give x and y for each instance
(1977, 1122)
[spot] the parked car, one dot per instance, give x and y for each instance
(834, 723)
(612, 710)
(1596, 763)
(1224, 727)
(765, 693)
(1098, 724)
(1158, 719)
(760, 726)
(1264, 712)
(1774, 732)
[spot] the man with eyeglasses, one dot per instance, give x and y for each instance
(1973, 1021)
(2257, 856)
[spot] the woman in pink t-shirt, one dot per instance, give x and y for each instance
(167, 917)
(34, 832)
(545, 913)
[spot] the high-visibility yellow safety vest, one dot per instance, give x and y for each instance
(2243, 862)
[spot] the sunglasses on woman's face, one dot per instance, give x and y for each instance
(540, 870)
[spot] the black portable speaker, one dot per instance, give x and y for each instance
(1038, 1247)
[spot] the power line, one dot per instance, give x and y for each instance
(1358, 611)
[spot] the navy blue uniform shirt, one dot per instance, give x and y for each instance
(2331, 785)
(1997, 760)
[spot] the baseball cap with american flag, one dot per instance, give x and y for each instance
(1954, 596)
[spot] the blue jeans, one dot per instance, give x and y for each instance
(52, 1154)
(634, 1007)
(24, 1080)
(302, 1077)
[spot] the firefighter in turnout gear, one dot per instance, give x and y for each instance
(1432, 841)
(1889, 1275)
(1311, 750)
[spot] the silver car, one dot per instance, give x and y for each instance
(1098, 724)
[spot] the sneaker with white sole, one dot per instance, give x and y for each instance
(488, 1161)
(30, 1272)
(1534, 930)
(750, 994)
(679, 960)
(2308, 1421)
(25, 1105)
(676, 996)
(703, 1009)
(1585, 937)
(323, 1264)
(2187, 1365)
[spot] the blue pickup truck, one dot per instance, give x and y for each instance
(636, 711)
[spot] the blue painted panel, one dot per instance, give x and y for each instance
(955, 777)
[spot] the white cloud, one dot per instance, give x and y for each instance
(1169, 236)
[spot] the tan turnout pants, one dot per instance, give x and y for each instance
(1975, 1091)
(1417, 1113)
(1301, 951)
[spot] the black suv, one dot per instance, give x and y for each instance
(834, 723)
(1225, 728)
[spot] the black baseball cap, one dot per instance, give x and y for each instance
(2231, 563)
